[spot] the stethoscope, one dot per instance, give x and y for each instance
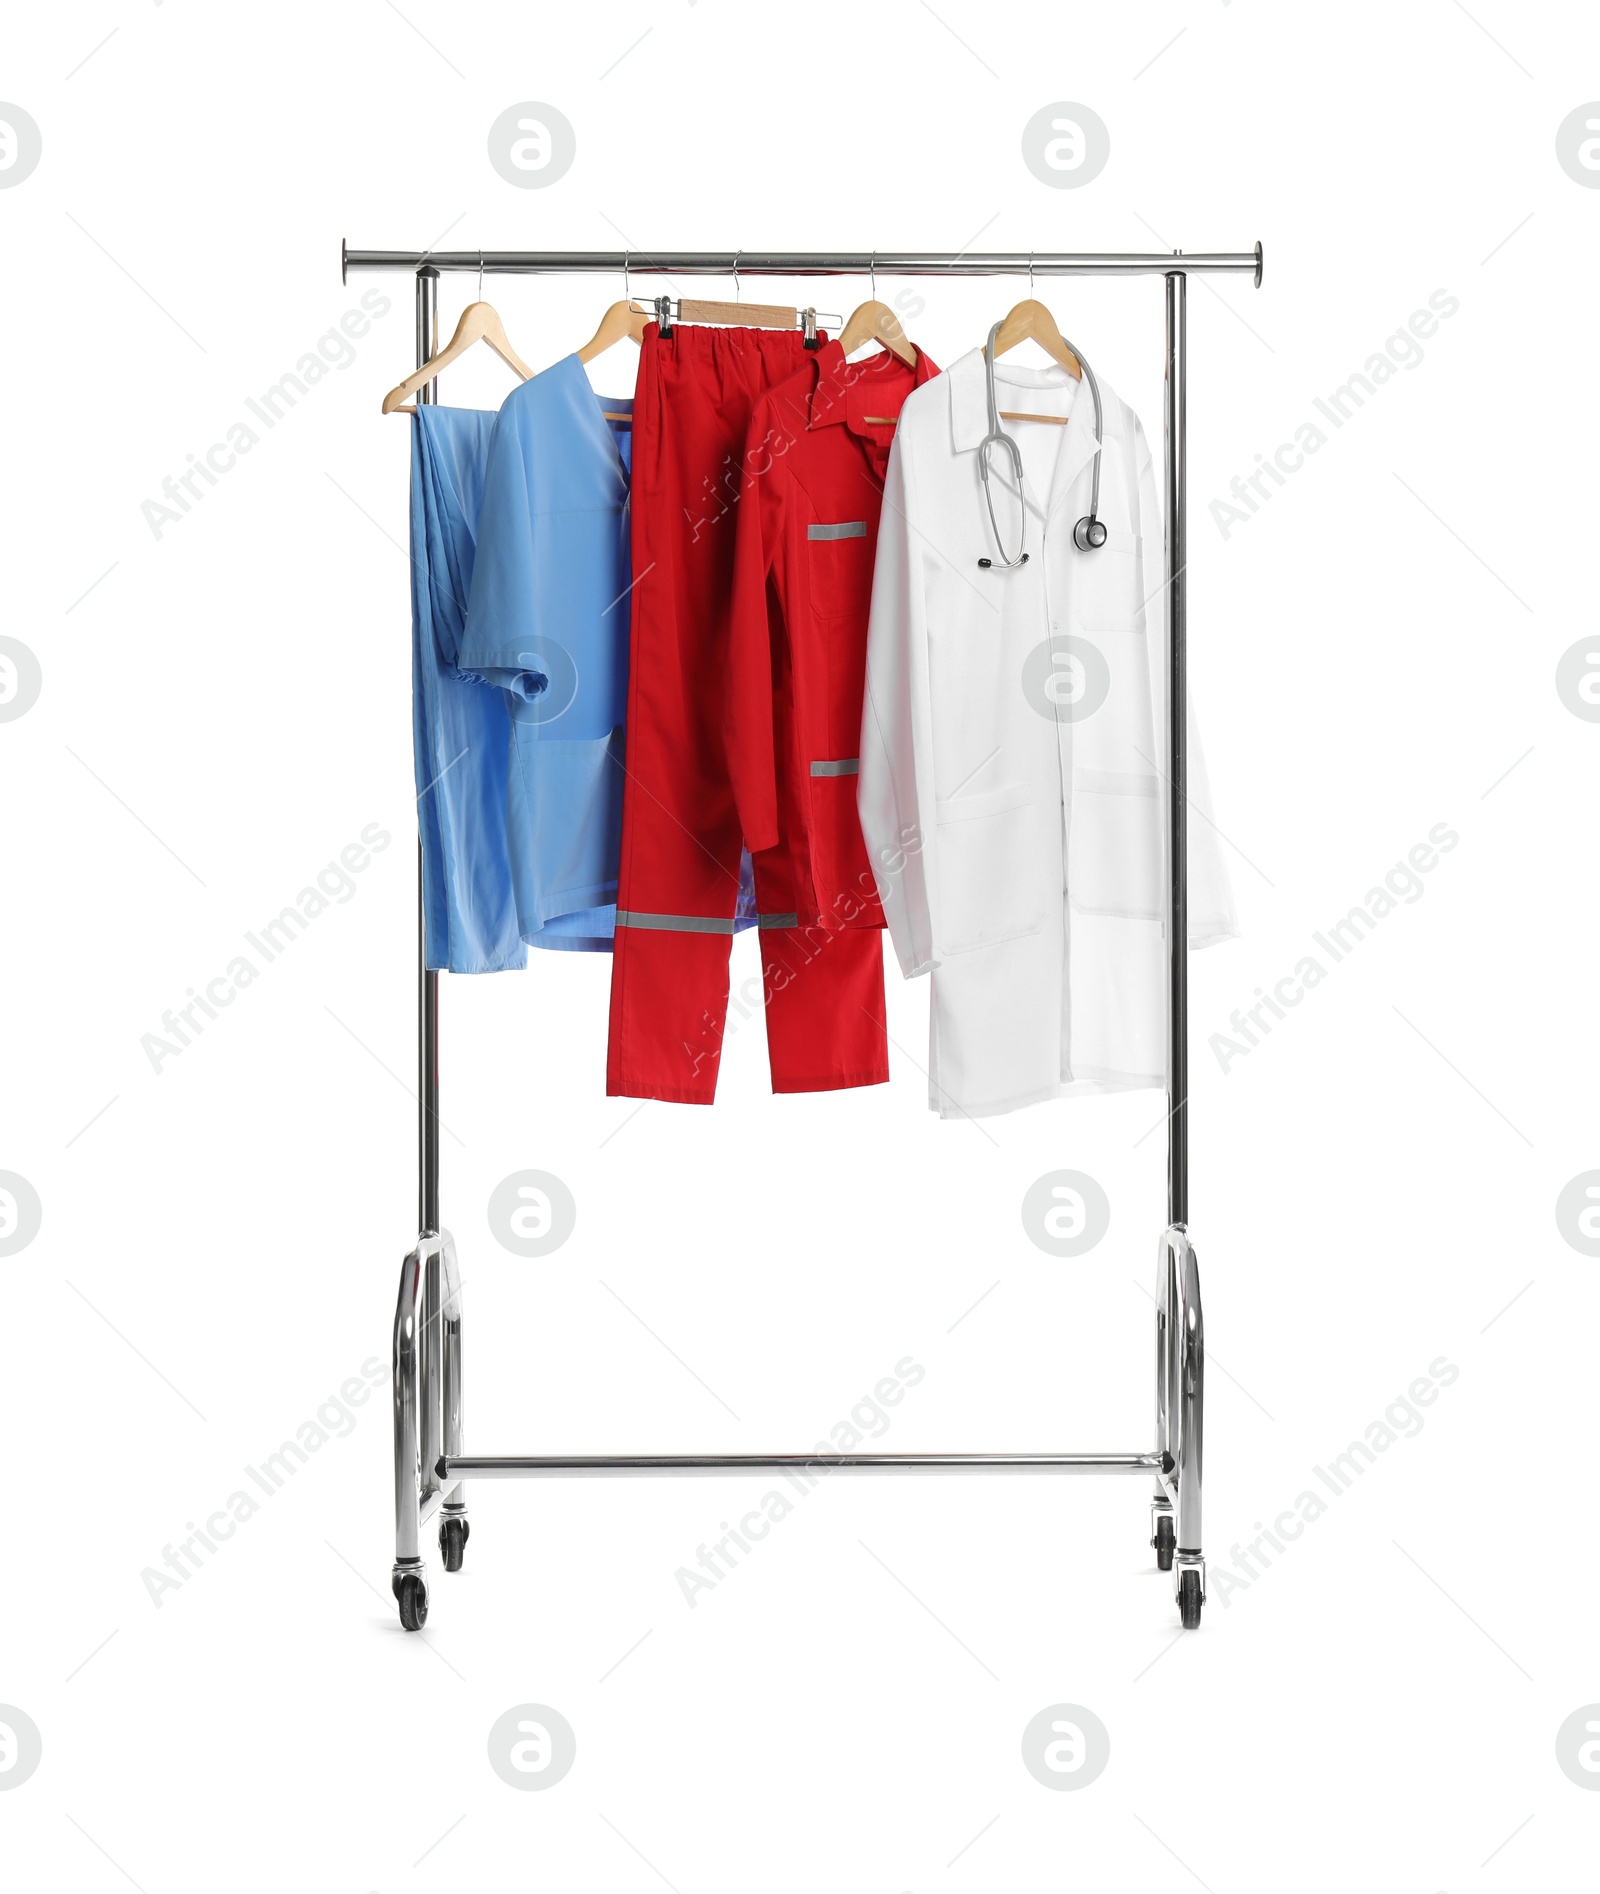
(1090, 532)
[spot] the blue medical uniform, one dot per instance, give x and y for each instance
(460, 726)
(548, 622)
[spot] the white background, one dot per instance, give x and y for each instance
(225, 707)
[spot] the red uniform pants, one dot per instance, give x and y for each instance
(821, 990)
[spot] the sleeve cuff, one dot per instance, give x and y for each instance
(913, 965)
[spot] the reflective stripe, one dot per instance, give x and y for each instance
(845, 529)
(845, 766)
(675, 923)
(696, 923)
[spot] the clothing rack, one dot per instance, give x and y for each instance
(430, 1463)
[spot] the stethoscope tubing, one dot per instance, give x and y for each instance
(1085, 535)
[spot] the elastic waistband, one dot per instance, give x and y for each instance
(707, 340)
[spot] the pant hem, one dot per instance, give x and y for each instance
(832, 1081)
(667, 1094)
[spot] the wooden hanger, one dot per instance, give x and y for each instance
(1030, 321)
(739, 315)
(876, 322)
(623, 322)
(479, 323)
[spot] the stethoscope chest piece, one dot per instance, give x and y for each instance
(1089, 534)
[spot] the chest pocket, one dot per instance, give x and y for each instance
(839, 559)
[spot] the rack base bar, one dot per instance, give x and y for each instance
(453, 1467)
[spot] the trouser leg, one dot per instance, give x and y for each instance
(679, 871)
(825, 1011)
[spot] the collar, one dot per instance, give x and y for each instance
(843, 390)
(969, 419)
(969, 403)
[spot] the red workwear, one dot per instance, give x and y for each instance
(679, 872)
(808, 529)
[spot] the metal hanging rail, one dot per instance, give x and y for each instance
(430, 1465)
(811, 262)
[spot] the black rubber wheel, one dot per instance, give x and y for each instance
(453, 1536)
(1165, 1542)
(411, 1589)
(1189, 1599)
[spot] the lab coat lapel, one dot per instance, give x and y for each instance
(969, 414)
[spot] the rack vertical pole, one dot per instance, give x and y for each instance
(1177, 587)
(427, 982)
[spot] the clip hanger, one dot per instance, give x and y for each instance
(670, 312)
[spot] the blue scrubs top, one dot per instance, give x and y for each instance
(460, 727)
(548, 622)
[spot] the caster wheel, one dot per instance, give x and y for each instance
(1165, 1542)
(1189, 1600)
(453, 1536)
(411, 1590)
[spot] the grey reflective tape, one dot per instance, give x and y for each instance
(845, 766)
(675, 923)
(844, 529)
(778, 920)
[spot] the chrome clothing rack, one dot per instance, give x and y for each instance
(430, 1466)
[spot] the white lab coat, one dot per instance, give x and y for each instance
(1013, 748)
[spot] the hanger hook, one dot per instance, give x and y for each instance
(627, 286)
(480, 276)
(1030, 272)
(872, 270)
(736, 295)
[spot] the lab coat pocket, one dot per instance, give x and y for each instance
(1114, 849)
(988, 869)
(1108, 592)
(567, 820)
(840, 564)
